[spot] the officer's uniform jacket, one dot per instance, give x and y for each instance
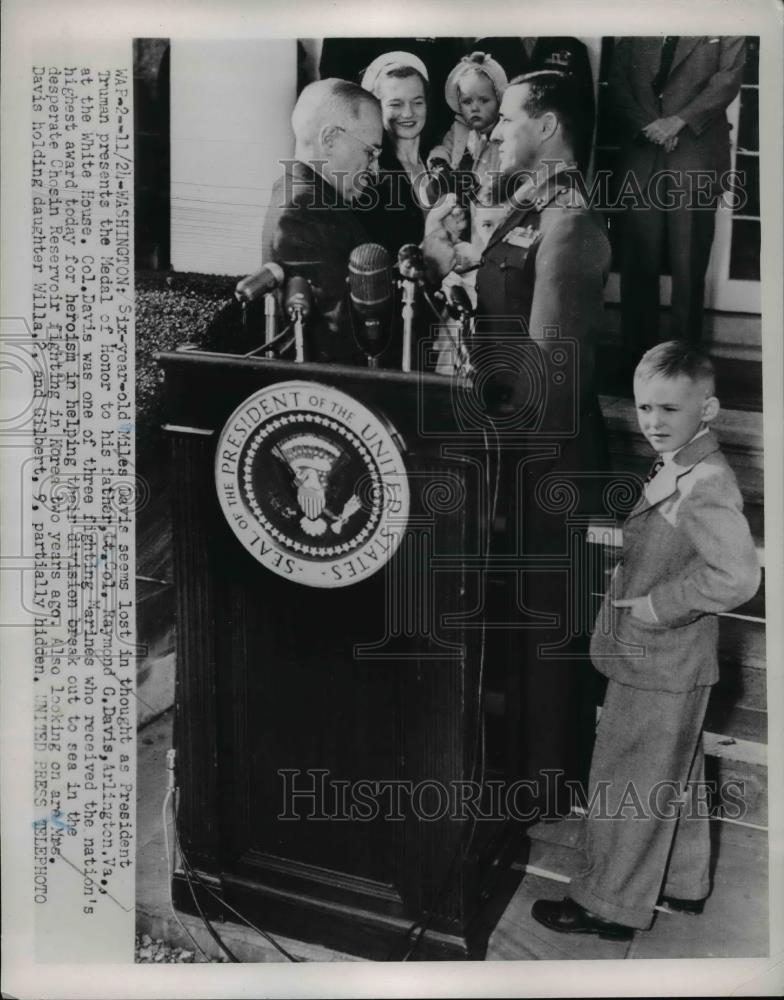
(688, 546)
(542, 277)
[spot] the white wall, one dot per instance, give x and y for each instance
(231, 104)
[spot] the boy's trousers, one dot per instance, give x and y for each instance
(648, 758)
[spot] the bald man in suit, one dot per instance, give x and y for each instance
(669, 98)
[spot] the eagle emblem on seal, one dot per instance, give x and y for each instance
(313, 464)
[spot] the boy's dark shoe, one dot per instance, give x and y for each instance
(691, 906)
(569, 917)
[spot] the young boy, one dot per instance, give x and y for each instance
(687, 555)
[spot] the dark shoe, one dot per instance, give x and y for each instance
(691, 906)
(569, 917)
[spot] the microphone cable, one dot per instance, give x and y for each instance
(492, 497)
(169, 796)
(192, 874)
(172, 795)
(479, 762)
(285, 332)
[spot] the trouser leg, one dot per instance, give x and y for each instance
(689, 238)
(645, 747)
(642, 240)
(688, 871)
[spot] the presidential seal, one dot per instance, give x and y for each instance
(312, 483)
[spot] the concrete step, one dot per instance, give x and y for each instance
(733, 340)
(735, 721)
(741, 642)
(745, 687)
(744, 782)
(518, 936)
(738, 380)
(736, 336)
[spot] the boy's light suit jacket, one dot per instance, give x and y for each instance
(687, 545)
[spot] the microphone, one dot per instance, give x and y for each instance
(461, 309)
(411, 267)
(439, 165)
(411, 263)
(299, 298)
(266, 280)
(459, 302)
(370, 292)
(298, 302)
(263, 282)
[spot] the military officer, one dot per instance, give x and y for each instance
(540, 298)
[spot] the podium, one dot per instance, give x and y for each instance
(329, 727)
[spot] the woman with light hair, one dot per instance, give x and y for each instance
(400, 199)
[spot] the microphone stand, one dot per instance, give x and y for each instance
(464, 319)
(408, 287)
(281, 342)
(460, 309)
(270, 329)
(372, 360)
(299, 333)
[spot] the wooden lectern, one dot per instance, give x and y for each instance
(318, 728)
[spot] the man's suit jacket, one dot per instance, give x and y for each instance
(310, 231)
(688, 546)
(704, 78)
(395, 218)
(551, 291)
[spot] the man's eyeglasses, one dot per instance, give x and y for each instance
(373, 152)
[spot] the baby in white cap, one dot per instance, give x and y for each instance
(473, 90)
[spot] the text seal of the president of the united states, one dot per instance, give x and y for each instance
(312, 483)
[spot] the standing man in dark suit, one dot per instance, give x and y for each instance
(669, 97)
